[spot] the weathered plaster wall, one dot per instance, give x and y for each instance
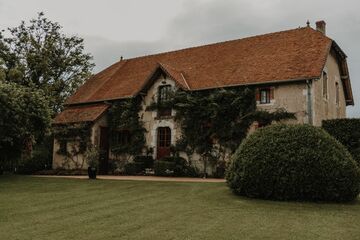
(326, 108)
(150, 119)
(291, 97)
(152, 122)
(60, 160)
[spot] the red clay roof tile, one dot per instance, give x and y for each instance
(288, 55)
(87, 113)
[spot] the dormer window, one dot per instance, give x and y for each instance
(164, 93)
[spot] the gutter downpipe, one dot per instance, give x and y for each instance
(309, 102)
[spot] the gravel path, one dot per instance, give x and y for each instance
(142, 178)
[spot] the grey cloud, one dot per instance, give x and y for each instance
(213, 21)
(206, 21)
(106, 52)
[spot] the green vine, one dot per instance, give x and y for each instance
(124, 115)
(157, 105)
(214, 122)
(79, 135)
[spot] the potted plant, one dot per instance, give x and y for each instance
(92, 158)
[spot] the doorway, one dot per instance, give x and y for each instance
(163, 142)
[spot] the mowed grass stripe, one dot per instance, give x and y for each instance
(45, 208)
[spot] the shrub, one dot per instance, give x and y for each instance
(346, 131)
(133, 168)
(41, 159)
(174, 166)
(145, 161)
(92, 155)
(164, 168)
(293, 162)
(220, 169)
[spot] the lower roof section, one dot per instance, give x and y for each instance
(77, 114)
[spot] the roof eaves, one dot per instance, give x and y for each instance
(344, 68)
(100, 100)
(259, 83)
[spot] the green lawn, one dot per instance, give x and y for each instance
(44, 208)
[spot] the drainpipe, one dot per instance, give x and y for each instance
(309, 102)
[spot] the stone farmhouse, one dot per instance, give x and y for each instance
(301, 70)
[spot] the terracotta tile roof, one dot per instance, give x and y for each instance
(177, 76)
(75, 114)
(282, 56)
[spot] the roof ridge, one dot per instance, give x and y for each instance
(218, 43)
(288, 54)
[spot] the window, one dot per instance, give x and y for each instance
(121, 137)
(164, 137)
(164, 93)
(325, 84)
(337, 93)
(265, 95)
(63, 147)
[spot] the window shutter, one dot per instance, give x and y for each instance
(271, 93)
(257, 94)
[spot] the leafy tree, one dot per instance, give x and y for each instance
(39, 55)
(24, 119)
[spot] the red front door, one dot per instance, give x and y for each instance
(163, 142)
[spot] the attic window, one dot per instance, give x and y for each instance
(164, 93)
(325, 85)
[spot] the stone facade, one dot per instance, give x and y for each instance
(304, 98)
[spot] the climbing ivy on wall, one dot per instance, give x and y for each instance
(124, 115)
(214, 122)
(74, 139)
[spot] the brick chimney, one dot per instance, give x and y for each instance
(321, 26)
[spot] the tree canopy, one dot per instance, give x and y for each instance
(39, 55)
(25, 118)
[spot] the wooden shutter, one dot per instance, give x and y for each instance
(257, 94)
(272, 93)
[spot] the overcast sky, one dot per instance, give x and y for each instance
(129, 28)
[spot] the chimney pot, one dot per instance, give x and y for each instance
(321, 26)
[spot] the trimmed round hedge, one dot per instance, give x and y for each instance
(293, 162)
